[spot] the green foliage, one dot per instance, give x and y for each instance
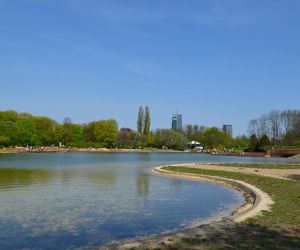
(259, 144)
(253, 143)
(44, 130)
(241, 142)
(214, 138)
(106, 132)
(58, 134)
(25, 132)
(264, 144)
(147, 122)
(67, 130)
(126, 138)
(140, 120)
(24, 129)
(4, 140)
(143, 121)
(170, 139)
(296, 143)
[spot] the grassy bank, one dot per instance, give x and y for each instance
(275, 229)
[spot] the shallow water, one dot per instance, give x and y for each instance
(76, 200)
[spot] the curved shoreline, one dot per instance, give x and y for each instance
(256, 201)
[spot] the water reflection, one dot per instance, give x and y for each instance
(12, 178)
(20, 178)
(142, 184)
(102, 178)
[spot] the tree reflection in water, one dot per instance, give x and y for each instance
(142, 184)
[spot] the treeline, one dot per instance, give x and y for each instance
(22, 129)
(275, 129)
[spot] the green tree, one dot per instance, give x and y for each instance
(241, 142)
(67, 130)
(58, 136)
(146, 121)
(264, 144)
(171, 139)
(89, 132)
(125, 138)
(25, 132)
(4, 141)
(140, 120)
(44, 130)
(106, 132)
(76, 132)
(253, 143)
(214, 138)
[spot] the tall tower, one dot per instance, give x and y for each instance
(177, 121)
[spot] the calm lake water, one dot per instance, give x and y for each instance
(75, 200)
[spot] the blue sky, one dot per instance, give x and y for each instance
(215, 61)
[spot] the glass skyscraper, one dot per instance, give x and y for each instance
(177, 121)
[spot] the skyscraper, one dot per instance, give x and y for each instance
(177, 121)
(227, 128)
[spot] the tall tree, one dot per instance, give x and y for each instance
(140, 120)
(146, 121)
(274, 119)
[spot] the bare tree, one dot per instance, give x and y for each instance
(263, 126)
(253, 127)
(275, 125)
(287, 120)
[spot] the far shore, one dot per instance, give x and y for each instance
(16, 150)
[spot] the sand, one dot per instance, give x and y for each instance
(275, 173)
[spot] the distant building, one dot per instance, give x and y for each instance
(177, 121)
(227, 129)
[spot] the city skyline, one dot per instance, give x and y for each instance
(217, 62)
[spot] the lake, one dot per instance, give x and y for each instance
(74, 200)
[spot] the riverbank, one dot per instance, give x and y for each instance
(16, 150)
(276, 228)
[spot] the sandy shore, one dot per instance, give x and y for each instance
(275, 173)
(256, 201)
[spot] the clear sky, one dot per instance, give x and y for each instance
(215, 61)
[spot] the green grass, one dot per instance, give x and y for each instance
(275, 229)
(253, 165)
